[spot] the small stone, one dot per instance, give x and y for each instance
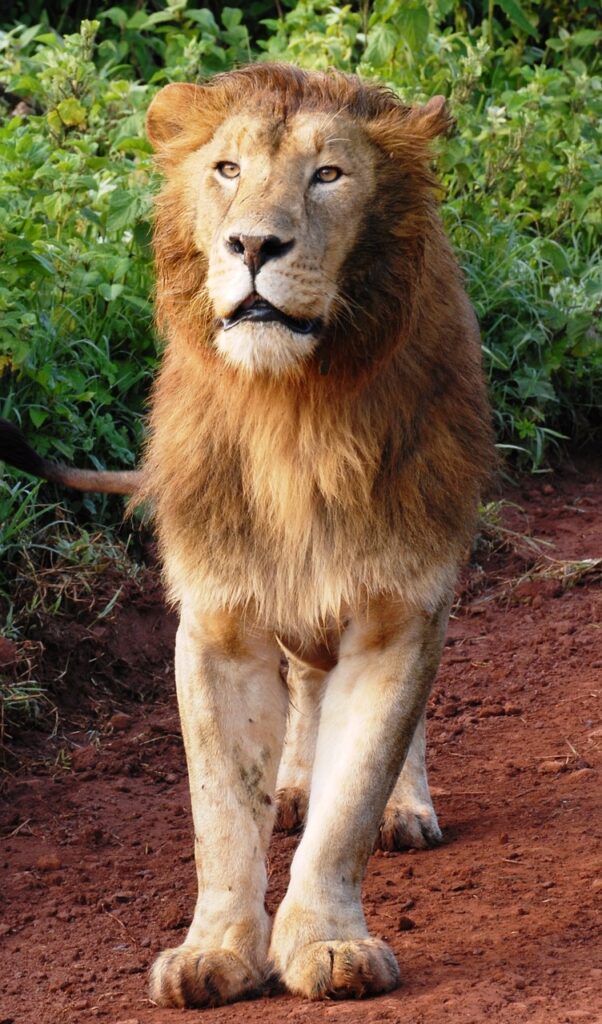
(173, 919)
(551, 767)
(548, 489)
(597, 884)
(512, 709)
(120, 721)
(406, 924)
(123, 897)
(491, 712)
(565, 628)
(449, 709)
(9, 653)
(83, 757)
(48, 862)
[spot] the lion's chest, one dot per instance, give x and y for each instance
(276, 545)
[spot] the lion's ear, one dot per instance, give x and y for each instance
(170, 112)
(433, 119)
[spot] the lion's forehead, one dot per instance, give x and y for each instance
(302, 139)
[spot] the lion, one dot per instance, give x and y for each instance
(319, 438)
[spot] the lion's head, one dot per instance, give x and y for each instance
(289, 195)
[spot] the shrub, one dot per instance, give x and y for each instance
(522, 177)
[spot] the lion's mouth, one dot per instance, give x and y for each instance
(258, 310)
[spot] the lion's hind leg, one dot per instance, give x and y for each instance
(233, 710)
(409, 819)
(306, 687)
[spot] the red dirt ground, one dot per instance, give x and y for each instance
(502, 923)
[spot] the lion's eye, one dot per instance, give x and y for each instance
(327, 174)
(227, 169)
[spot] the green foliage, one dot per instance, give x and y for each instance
(522, 177)
(76, 339)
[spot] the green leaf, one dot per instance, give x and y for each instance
(382, 11)
(231, 17)
(134, 144)
(413, 25)
(37, 416)
(54, 121)
(123, 209)
(71, 112)
(586, 37)
(205, 19)
(117, 15)
(137, 20)
(49, 39)
(381, 44)
(28, 35)
(110, 292)
(516, 14)
(157, 18)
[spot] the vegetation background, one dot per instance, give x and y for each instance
(522, 176)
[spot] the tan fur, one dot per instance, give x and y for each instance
(314, 492)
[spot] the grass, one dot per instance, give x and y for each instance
(54, 571)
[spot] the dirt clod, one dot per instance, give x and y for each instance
(120, 721)
(9, 653)
(48, 862)
(551, 767)
(84, 757)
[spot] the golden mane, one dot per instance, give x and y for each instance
(299, 496)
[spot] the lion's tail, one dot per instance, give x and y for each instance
(15, 450)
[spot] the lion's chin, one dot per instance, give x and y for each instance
(265, 347)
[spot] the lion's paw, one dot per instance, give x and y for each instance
(291, 808)
(405, 826)
(191, 977)
(342, 969)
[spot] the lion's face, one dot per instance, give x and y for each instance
(292, 225)
(278, 206)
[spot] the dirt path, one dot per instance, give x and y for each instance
(502, 923)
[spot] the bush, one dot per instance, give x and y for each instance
(522, 176)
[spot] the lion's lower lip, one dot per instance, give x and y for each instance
(263, 312)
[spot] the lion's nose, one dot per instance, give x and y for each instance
(258, 249)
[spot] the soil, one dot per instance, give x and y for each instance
(501, 923)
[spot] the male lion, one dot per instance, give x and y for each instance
(319, 437)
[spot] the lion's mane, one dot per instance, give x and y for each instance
(297, 496)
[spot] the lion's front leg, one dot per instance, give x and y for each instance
(373, 702)
(233, 709)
